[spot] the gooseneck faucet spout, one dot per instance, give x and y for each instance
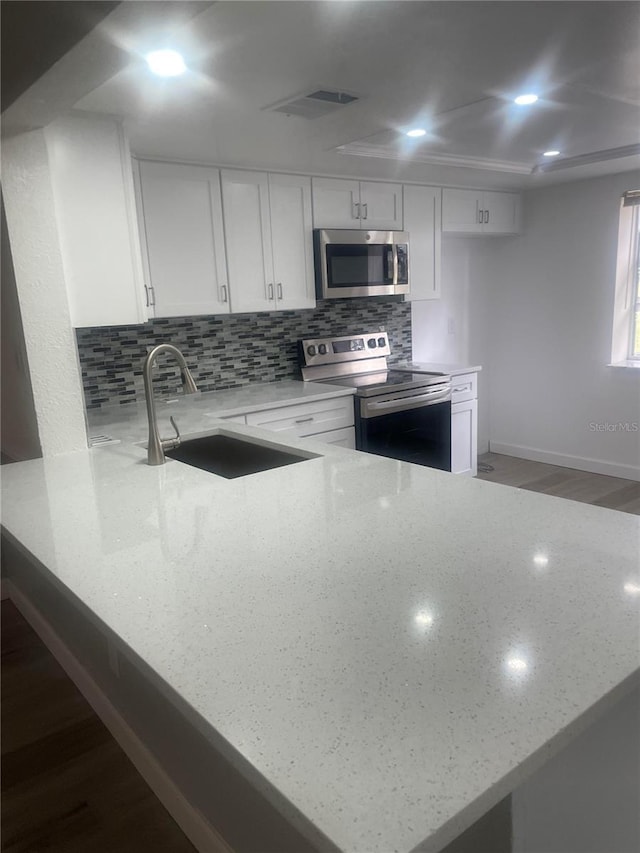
(157, 445)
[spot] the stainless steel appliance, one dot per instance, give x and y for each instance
(397, 414)
(361, 263)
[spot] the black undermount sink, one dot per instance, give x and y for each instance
(233, 457)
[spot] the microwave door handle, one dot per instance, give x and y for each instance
(395, 264)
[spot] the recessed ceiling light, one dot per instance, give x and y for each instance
(550, 153)
(523, 100)
(418, 131)
(166, 63)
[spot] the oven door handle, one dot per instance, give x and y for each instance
(370, 408)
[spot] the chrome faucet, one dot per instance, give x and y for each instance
(157, 445)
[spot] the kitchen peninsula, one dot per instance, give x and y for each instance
(380, 650)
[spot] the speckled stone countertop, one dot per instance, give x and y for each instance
(439, 367)
(193, 412)
(405, 645)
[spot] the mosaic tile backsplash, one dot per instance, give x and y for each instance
(225, 351)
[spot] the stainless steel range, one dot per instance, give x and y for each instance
(398, 414)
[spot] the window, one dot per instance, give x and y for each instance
(626, 316)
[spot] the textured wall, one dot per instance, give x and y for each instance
(40, 284)
(227, 351)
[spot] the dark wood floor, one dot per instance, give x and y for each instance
(597, 489)
(67, 787)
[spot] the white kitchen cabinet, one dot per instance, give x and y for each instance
(180, 211)
(464, 424)
(422, 217)
(341, 437)
(292, 241)
(267, 220)
(307, 419)
(480, 212)
(93, 191)
(362, 205)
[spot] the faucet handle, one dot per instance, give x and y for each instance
(172, 443)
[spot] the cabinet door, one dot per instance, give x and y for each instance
(306, 419)
(461, 211)
(336, 203)
(245, 197)
(464, 438)
(292, 241)
(502, 213)
(181, 224)
(422, 215)
(380, 206)
(341, 437)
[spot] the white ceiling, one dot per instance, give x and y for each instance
(451, 67)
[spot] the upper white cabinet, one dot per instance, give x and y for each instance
(95, 209)
(292, 241)
(480, 212)
(180, 209)
(422, 216)
(268, 233)
(356, 204)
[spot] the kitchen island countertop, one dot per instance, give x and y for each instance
(390, 648)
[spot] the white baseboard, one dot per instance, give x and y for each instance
(194, 825)
(581, 463)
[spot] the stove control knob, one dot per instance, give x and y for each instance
(322, 349)
(371, 343)
(311, 350)
(381, 342)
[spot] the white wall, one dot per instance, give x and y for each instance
(40, 284)
(453, 329)
(549, 333)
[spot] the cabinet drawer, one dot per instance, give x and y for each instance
(236, 419)
(342, 437)
(464, 387)
(306, 418)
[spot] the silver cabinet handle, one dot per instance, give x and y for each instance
(365, 206)
(462, 388)
(224, 293)
(280, 296)
(486, 216)
(270, 291)
(146, 295)
(303, 420)
(153, 295)
(355, 210)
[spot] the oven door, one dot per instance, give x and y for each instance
(414, 427)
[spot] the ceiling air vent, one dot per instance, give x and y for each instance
(313, 104)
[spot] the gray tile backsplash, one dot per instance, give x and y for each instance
(225, 351)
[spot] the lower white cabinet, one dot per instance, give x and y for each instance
(330, 420)
(307, 419)
(464, 424)
(342, 437)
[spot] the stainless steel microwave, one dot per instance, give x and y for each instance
(361, 263)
